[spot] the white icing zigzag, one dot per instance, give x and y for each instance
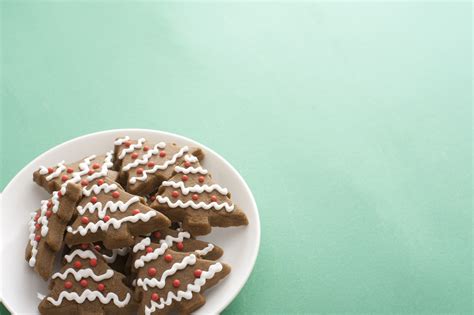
(141, 245)
(146, 157)
(196, 188)
(192, 204)
(84, 273)
(116, 223)
(109, 205)
(131, 148)
(140, 262)
(188, 294)
(204, 251)
(192, 170)
(116, 252)
(84, 254)
(96, 189)
(160, 284)
(90, 296)
(169, 240)
(121, 140)
(163, 166)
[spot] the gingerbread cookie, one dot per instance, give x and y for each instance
(192, 197)
(182, 241)
(47, 226)
(86, 285)
(143, 165)
(169, 281)
(88, 169)
(109, 214)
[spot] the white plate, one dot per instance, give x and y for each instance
(20, 285)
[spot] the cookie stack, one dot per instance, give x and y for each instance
(129, 220)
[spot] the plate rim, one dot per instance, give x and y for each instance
(254, 252)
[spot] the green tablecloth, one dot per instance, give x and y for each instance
(351, 122)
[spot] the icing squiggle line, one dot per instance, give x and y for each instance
(116, 252)
(44, 170)
(31, 237)
(192, 204)
(121, 140)
(84, 273)
(116, 223)
(96, 189)
(131, 148)
(146, 157)
(160, 284)
(109, 205)
(196, 188)
(163, 166)
(188, 294)
(141, 245)
(90, 296)
(84, 254)
(190, 158)
(140, 262)
(192, 170)
(204, 251)
(169, 240)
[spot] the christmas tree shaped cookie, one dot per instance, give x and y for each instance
(192, 197)
(182, 241)
(170, 281)
(47, 226)
(109, 214)
(89, 169)
(87, 285)
(143, 165)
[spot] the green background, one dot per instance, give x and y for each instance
(351, 122)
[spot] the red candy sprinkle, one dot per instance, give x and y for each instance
(37, 216)
(197, 273)
(213, 198)
(97, 247)
(157, 234)
(38, 238)
(93, 262)
(180, 246)
(106, 218)
(100, 182)
(60, 194)
(195, 197)
(134, 155)
(37, 226)
(151, 164)
(201, 179)
(50, 170)
(68, 284)
(146, 148)
(135, 211)
(184, 178)
(176, 283)
(152, 198)
(77, 264)
(84, 283)
(155, 296)
(128, 143)
(85, 246)
(168, 258)
(175, 194)
(149, 249)
(115, 194)
(64, 178)
(50, 204)
(151, 272)
(49, 213)
(84, 220)
(95, 166)
(162, 154)
(101, 287)
(94, 199)
(139, 171)
(187, 164)
(70, 170)
(90, 172)
(84, 182)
